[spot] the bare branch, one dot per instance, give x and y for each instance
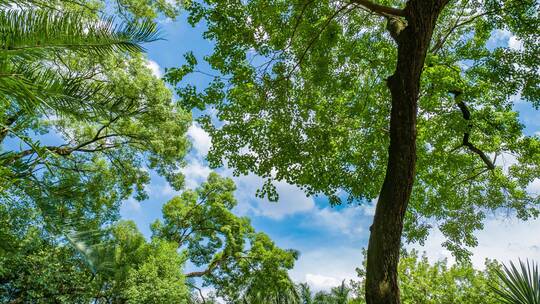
(467, 116)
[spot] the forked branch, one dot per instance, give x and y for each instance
(466, 136)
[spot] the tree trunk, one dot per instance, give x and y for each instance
(385, 239)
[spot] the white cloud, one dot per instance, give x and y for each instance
(507, 239)
(501, 239)
(327, 266)
(514, 43)
(369, 208)
(200, 139)
(154, 67)
(506, 160)
(344, 221)
(161, 190)
(321, 282)
(292, 199)
(130, 206)
(504, 38)
(534, 187)
(195, 173)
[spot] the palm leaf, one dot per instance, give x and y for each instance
(34, 86)
(519, 285)
(30, 32)
(97, 255)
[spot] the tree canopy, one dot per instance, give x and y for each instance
(407, 103)
(399, 101)
(84, 123)
(302, 97)
(239, 262)
(80, 118)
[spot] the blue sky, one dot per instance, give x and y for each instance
(330, 239)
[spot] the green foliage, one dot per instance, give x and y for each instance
(80, 80)
(518, 285)
(108, 114)
(341, 294)
(238, 262)
(38, 270)
(305, 293)
(81, 118)
(143, 272)
(301, 97)
(27, 31)
(148, 9)
(438, 283)
(31, 38)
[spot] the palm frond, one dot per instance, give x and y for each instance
(94, 253)
(519, 285)
(29, 32)
(34, 85)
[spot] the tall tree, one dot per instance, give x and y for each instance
(305, 293)
(240, 263)
(405, 102)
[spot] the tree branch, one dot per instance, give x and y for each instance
(312, 42)
(379, 9)
(9, 121)
(208, 270)
(465, 142)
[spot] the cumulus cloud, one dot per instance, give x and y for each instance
(130, 206)
(292, 199)
(161, 190)
(503, 239)
(195, 173)
(154, 67)
(321, 282)
(534, 187)
(343, 221)
(504, 38)
(506, 160)
(327, 266)
(514, 43)
(200, 139)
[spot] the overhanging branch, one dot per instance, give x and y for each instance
(380, 9)
(208, 270)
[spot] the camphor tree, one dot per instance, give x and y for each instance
(408, 103)
(240, 263)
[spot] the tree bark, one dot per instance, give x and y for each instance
(404, 85)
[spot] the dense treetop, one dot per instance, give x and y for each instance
(301, 96)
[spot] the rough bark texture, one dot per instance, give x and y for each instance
(386, 231)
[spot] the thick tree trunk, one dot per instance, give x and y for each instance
(385, 239)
